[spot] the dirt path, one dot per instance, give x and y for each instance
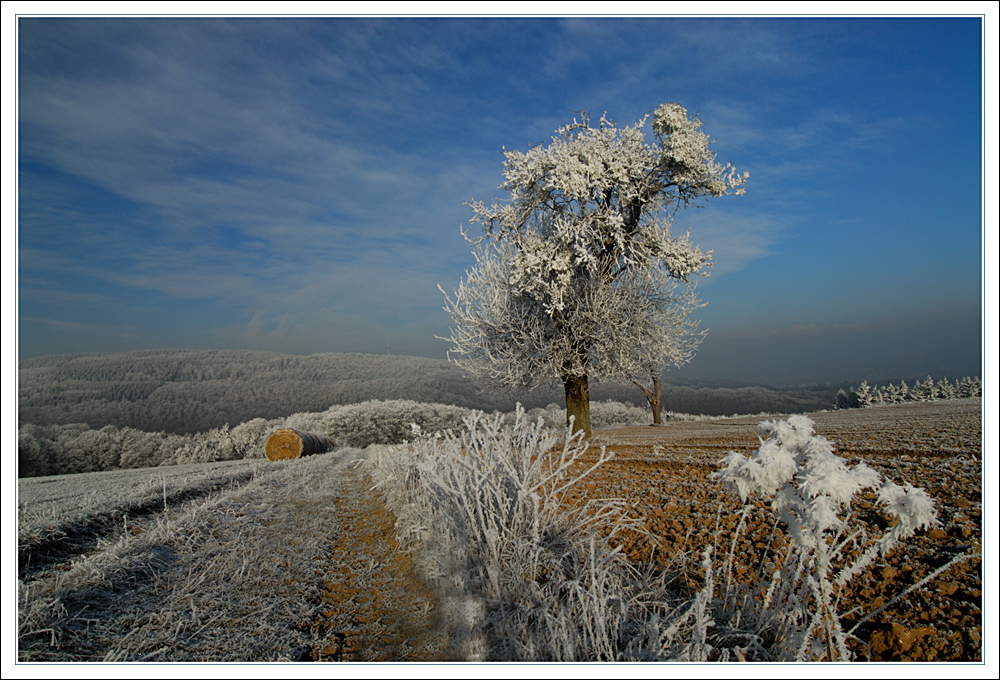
(374, 606)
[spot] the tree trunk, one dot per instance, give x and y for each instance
(652, 395)
(578, 404)
(654, 403)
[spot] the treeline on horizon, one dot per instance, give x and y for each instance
(865, 395)
(190, 391)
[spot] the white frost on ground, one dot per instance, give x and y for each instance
(229, 570)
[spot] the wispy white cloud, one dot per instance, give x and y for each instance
(250, 191)
(735, 240)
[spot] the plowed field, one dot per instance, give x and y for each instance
(664, 472)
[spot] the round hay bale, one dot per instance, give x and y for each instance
(288, 444)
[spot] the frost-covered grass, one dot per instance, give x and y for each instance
(529, 575)
(68, 513)
(231, 574)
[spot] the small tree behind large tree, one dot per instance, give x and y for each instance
(575, 271)
(678, 339)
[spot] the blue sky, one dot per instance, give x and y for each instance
(297, 184)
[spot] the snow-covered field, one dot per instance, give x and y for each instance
(256, 561)
(61, 513)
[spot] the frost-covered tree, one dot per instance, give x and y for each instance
(945, 390)
(904, 391)
(970, 387)
(652, 393)
(862, 396)
(923, 390)
(843, 399)
(893, 394)
(673, 325)
(572, 271)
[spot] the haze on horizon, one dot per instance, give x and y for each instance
(298, 184)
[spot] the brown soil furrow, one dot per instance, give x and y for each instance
(375, 608)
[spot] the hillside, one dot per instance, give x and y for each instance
(185, 391)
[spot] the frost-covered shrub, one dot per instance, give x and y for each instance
(72, 448)
(35, 456)
(246, 440)
(75, 447)
(249, 438)
(608, 413)
(306, 422)
(616, 414)
(65, 449)
(811, 490)
(553, 416)
(152, 449)
(531, 575)
(388, 422)
(207, 447)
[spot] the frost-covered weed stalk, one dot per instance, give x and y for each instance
(791, 613)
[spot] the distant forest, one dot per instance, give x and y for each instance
(189, 391)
